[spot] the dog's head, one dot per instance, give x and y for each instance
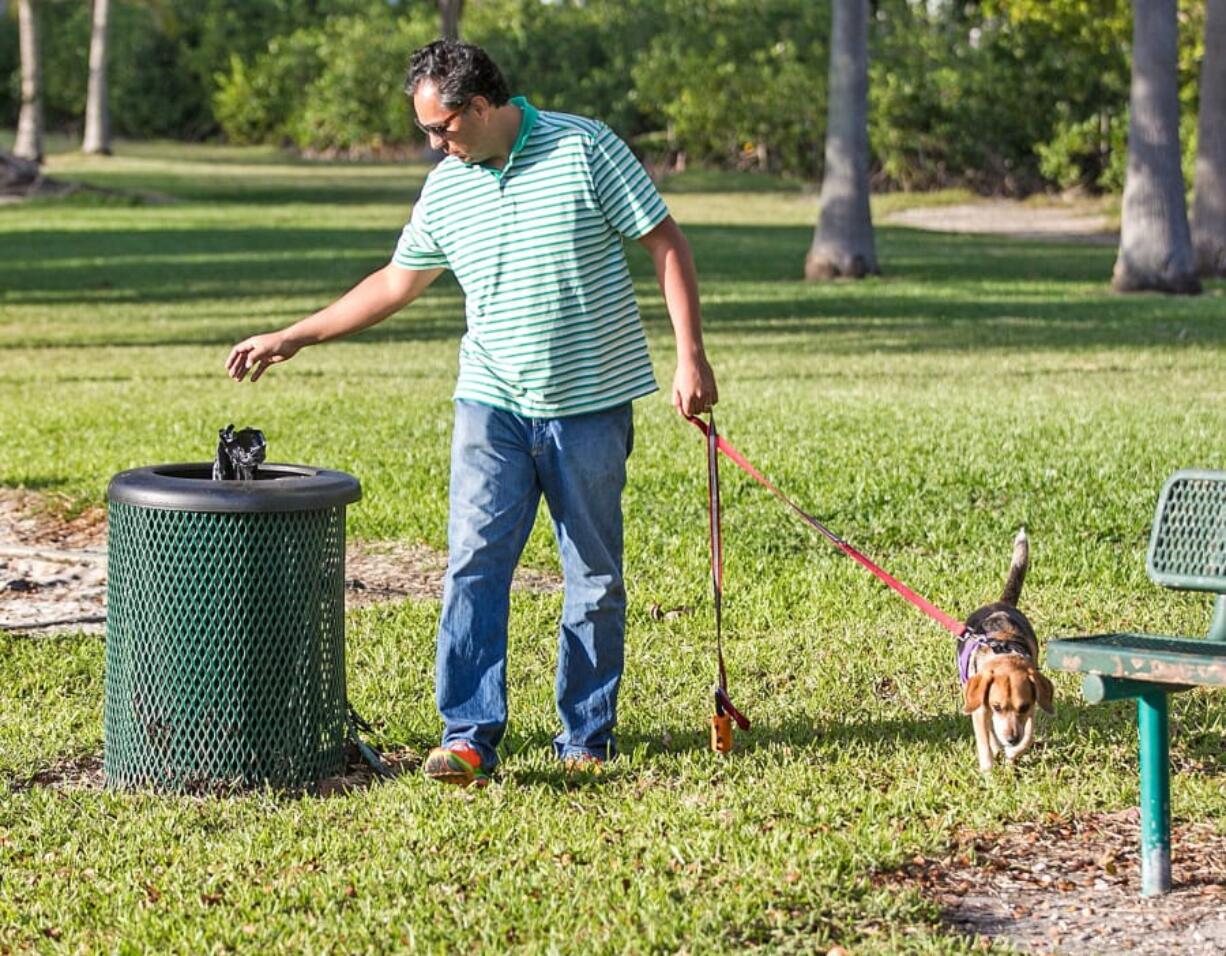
(1010, 687)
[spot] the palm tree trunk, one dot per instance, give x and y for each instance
(29, 142)
(843, 242)
(449, 12)
(97, 114)
(1155, 242)
(1209, 203)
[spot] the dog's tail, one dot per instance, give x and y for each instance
(1017, 569)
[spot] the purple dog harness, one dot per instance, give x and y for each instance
(972, 642)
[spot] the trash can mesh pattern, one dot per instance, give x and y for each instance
(224, 648)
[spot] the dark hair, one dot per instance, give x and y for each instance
(459, 71)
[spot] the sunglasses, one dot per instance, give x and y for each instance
(440, 130)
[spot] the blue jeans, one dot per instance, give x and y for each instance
(501, 464)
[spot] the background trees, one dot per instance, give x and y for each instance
(1155, 244)
(843, 243)
(1209, 205)
(29, 142)
(97, 109)
(998, 95)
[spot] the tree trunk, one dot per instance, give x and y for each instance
(449, 12)
(1155, 242)
(29, 142)
(97, 114)
(843, 242)
(1209, 203)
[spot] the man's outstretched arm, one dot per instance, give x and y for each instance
(371, 301)
(694, 389)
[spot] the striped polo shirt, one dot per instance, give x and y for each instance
(553, 326)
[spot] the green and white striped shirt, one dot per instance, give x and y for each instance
(553, 326)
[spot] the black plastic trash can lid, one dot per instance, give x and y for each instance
(190, 487)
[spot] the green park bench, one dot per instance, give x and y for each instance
(1187, 551)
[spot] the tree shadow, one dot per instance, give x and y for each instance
(940, 293)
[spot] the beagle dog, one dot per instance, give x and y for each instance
(998, 664)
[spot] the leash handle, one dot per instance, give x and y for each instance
(951, 624)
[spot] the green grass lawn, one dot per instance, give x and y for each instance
(977, 386)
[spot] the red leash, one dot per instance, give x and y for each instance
(714, 441)
(721, 729)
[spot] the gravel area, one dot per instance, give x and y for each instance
(1002, 217)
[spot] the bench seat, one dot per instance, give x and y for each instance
(1143, 657)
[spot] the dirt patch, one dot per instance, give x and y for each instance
(1072, 886)
(382, 572)
(53, 568)
(85, 773)
(52, 565)
(1013, 219)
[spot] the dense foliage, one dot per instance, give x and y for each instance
(1000, 94)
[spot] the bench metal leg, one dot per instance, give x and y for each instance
(1153, 727)
(1217, 627)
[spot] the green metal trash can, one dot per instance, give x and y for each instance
(225, 641)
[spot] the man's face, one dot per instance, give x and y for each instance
(457, 132)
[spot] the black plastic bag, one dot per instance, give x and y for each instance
(239, 454)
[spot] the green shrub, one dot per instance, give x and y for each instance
(255, 103)
(739, 83)
(357, 102)
(338, 86)
(570, 57)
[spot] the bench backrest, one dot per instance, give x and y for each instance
(1187, 548)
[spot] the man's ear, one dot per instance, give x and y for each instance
(479, 106)
(974, 693)
(1043, 691)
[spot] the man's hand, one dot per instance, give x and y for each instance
(258, 352)
(370, 301)
(694, 390)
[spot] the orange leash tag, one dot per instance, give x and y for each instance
(721, 733)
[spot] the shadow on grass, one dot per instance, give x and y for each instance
(1111, 725)
(940, 292)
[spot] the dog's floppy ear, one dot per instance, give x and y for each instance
(974, 693)
(1043, 690)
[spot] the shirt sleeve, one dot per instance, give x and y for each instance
(417, 248)
(625, 192)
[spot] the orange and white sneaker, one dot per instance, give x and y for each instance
(458, 764)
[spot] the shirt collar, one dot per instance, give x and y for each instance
(526, 123)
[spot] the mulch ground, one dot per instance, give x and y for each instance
(1072, 886)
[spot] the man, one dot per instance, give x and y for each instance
(528, 209)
